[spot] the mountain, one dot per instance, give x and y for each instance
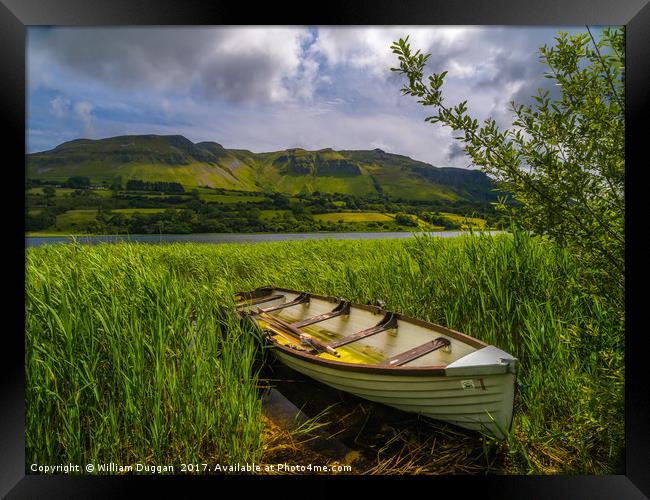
(174, 158)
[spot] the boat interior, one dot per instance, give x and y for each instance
(335, 329)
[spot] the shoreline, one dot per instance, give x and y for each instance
(97, 235)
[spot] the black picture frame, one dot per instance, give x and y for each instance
(15, 15)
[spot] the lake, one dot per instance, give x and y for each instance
(36, 241)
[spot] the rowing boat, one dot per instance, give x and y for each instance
(388, 358)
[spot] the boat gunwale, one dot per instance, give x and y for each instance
(430, 370)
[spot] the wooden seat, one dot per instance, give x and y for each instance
(388, 322)
(255, 294)
(343, 307)
(300, 299)
(415, 353)
(260, 300)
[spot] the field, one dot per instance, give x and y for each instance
(104, 193)
(205, 194)
(226, 198)
(387, 220)
(131, 211)
(128, 361)
(72, 219)
(270, 214)
(465, 222)
(354, 217)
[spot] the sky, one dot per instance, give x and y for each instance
(272, 88)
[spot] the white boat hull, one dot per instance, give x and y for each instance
(481, 402)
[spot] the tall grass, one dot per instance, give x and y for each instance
(126, 361)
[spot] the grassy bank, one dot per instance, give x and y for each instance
(125, 360)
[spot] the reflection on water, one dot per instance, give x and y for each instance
(35, 241)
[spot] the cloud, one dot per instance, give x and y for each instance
(229, 64)
(368, 48)
(59, 106)
(488, 67)
(83, 111)
(456, 152)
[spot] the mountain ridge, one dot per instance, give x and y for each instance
(293, 170)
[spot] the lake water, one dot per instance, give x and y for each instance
(36, 241)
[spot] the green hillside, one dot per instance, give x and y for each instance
(173, 158)
(170, 158)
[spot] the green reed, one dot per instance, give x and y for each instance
(127, 359)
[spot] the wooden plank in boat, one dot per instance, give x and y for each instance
(260, 300)
(301, 299)
(342, 308)
(415, 353)
(387, 323)
(255, 294)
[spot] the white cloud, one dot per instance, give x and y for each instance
(59, 106)
(83, 110)
(368, 48)
(228, 64)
